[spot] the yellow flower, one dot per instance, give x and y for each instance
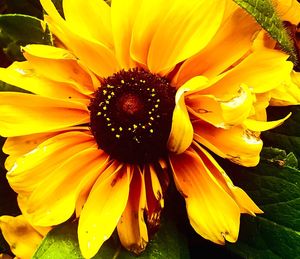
(134, 90)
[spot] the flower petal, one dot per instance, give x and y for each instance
(221, 113)
(132, 229)
(54, 199)
(154, 196)
(263, 70)
(18, 146)
(240, 197)
(181, 134)
(288, 93)
(123, 14)
(95, 55)
(31, 169)
(235, 143)
(24, 76)
(21, 237)
(146, 23)
(212, 212)
(90, 18)
(288, 10)
(184, 30)
(222, 51)
(106, 203)
(258, 126)
(59, 65)
(23, 114)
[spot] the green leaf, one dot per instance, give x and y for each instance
(18, 30)
(275, 186)
(265, 14)
(62, 243)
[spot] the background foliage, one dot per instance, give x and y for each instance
(274, 184)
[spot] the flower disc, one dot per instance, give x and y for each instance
(131, 115)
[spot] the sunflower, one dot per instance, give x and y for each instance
(129, 92)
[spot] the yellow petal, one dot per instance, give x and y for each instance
(222, 51)
(53, 201)
(123, 14)
(23, 114)
(154, 197)
(95, 55)
(23, 75)
(31, 169)
(145, 25)
(90, 18)
(258, 126)
(22, 203)
(244, 202)
(221, 113)
(59, 65)
(261, 102)
(21, 237)
(262, 70)
(288, 10)
(184, 30)
(18, 146)
(235, 143)
(132, 228)
(212, 212)
(181, 134)
(103, 208)
(288, 93)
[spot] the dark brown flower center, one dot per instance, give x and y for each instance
(131, 115)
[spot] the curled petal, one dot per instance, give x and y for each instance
(221, 113)
(181, 134)
(259, 126)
